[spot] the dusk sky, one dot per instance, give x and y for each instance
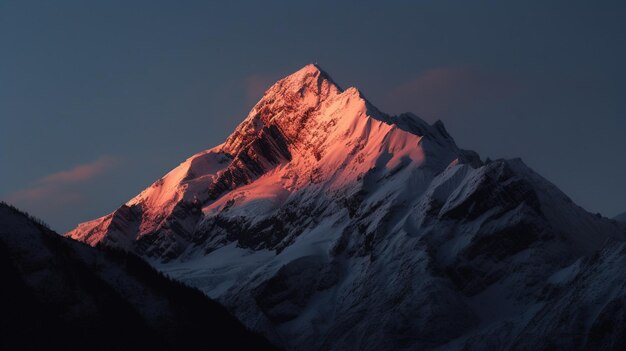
(100, 99)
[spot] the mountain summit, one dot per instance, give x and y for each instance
(304, 131)
(326, 224)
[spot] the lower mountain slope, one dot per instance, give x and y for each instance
(60, 293)
(493, 255)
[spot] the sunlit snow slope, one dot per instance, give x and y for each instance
(327, 224)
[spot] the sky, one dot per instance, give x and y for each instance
(98, 99)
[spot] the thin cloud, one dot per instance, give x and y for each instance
(438, 92)
(81, 173)
(60, 187)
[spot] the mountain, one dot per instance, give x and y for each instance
(57, 293)
(324, 223)
(620, 217)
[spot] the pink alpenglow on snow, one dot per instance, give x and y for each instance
(305, 129)
(326, 224)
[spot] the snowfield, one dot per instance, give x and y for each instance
(325, 224)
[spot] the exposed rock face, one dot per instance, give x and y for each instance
(327, 224)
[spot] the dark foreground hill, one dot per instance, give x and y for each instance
(61, 293)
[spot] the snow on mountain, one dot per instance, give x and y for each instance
(326, 224)
(58, 293)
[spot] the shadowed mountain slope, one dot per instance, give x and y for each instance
(60, 293)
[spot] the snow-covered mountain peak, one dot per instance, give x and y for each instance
(321, 219)
(307, 77)
(286, 103)
(308, 102)
(305, 131)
